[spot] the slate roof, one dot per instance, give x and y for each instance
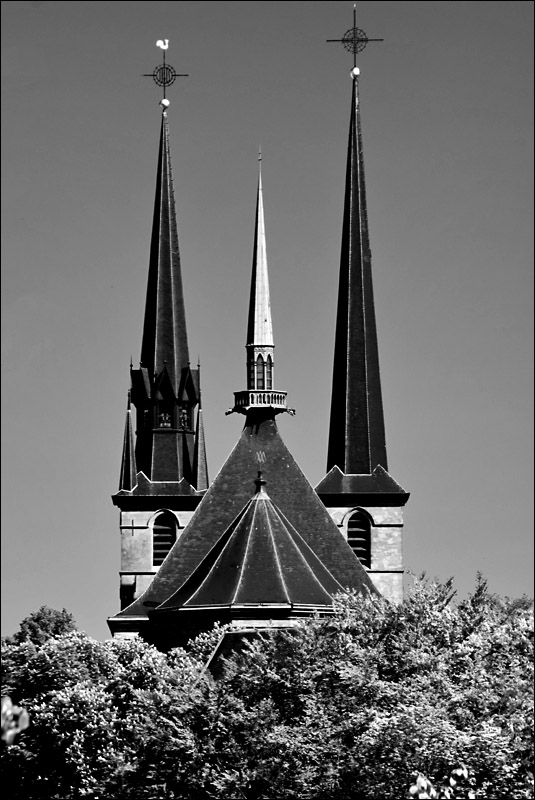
(337, 489)
(260, 560)
(260, 444)
(356, 431)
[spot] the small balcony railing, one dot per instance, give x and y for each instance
(259, 399)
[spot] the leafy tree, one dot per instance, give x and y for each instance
(360, 704)
(43, 624)
(91, 705)
(375, 701)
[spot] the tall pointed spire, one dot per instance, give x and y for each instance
(165, 389)
(357, 433)
(364, 500)
(260, 345)
(128, 478)
(165, 340)
(259, 326)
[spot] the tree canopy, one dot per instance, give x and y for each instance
(357, 705)
(41, 625)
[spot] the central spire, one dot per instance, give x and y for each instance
(260, 347)
(259, 327)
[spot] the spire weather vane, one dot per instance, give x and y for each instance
(164, 75)
(354, 40)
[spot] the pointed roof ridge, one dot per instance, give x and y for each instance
(259, 324)
(128, 477)
(164, 331)
(356, 433)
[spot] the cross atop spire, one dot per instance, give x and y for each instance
(164, 75)
(354, 40)
(356, 432)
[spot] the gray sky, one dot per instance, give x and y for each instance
(447, 113)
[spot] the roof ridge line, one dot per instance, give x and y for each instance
(277, 559)
(244, 560)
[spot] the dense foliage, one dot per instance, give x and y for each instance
(360, 705)
(42, 625)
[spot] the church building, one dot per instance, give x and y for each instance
(258, 547)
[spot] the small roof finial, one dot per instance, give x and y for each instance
(354, 41)
(260, 483)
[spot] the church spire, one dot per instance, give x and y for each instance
(259, 327)
(259, 345)
(165, 340)
(356, 433)
(165, 390)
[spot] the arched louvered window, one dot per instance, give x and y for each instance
(359, 537)
(260, 373)
(269, 373)
(163, 536)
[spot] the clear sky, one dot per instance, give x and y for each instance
(447, 116)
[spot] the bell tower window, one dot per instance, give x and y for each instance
(163, 536)
(359, 537)
(269, 373)
(252, 371)
(260, 373)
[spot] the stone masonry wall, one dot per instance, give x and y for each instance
(386, 569)
(137, 570)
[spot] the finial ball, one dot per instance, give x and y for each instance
(165, 102)
(355, 72)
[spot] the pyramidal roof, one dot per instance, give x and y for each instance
(259, 444)
(260, 560)
(165, 341)
(356, 433)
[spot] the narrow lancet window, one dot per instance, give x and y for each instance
(260, 373)
(252, 369)
(269, 373)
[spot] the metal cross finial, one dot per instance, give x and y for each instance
(354, 40)
(164, 75)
